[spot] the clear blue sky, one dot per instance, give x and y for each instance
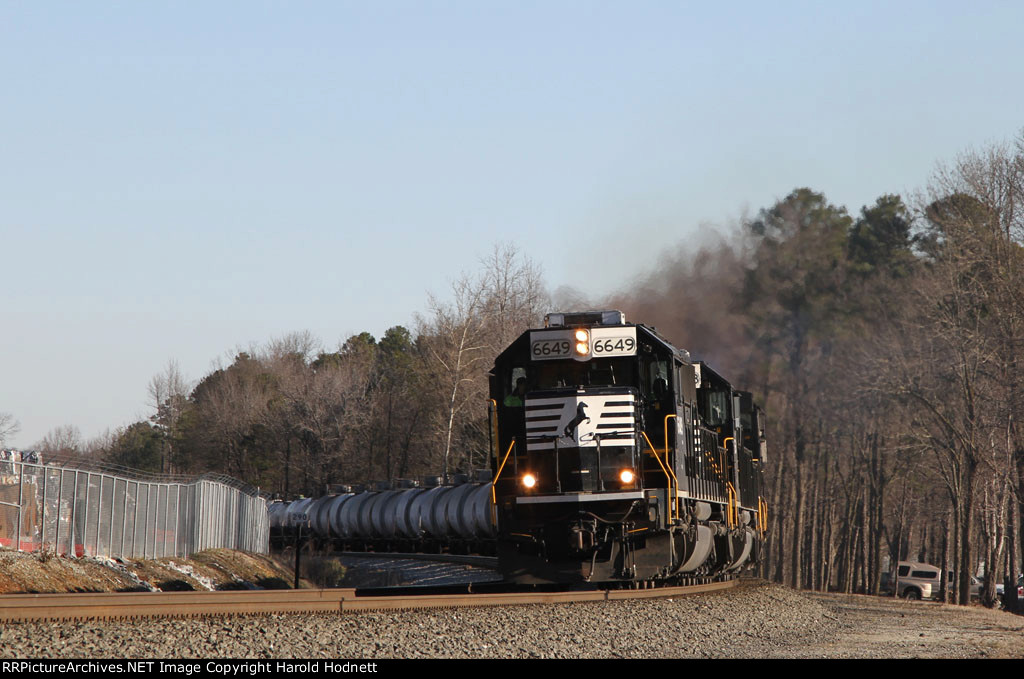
(180, 179)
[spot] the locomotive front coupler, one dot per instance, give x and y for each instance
(583, 535)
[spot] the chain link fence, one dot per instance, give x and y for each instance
(85, 512)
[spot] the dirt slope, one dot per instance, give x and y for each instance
(208, 570)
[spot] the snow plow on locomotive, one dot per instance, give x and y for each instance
(617, 458)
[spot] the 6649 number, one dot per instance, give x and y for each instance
(615, 345)
(550, 348)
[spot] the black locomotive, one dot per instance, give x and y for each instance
(617, 458)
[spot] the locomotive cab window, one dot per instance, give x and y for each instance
(655, 378)
(749, 425)
(715, 408)
(515, 388)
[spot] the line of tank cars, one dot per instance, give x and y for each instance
(413, 517)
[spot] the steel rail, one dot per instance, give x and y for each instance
(133, 605)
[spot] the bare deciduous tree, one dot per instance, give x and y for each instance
(168, 393)
(8, 427)
(463, 336)
(455, 342)
(62, 443)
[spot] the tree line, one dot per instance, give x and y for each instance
(887, 348)
(884, 346)
(294, 418)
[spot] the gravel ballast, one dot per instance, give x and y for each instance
(755, 620)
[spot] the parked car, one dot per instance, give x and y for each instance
(976, 586)
(923, 581)
(1020, 589)
(916, 580)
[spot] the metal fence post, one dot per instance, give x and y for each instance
(42, 521)
(201, 516)
(60, 501)
(145, 522)
(85, 521)
(190, 538)
(156, 512)
(150, 523)
(177, 517)
(21, 500)
(74, 509)
(110, 533)
(163, 515)
(167, 518)
(135, 520)
(124, 517)
(99, 516)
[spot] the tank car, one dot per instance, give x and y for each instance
(617, 458)
(409, 519)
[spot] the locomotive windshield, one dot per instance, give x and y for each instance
(651, 375)
(596, 373)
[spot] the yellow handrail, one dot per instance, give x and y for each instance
(762, 506)
(723, 465)
(494, 496)
(732, 512)
(725, 460)
(668, 474)
(666, 432)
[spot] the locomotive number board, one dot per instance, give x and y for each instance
(548, 345)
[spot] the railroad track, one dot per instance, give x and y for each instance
(131, 605)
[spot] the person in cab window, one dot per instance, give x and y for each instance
(515, 399)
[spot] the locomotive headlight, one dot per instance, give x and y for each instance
(582, 342)
(626, 476)
(529, 480)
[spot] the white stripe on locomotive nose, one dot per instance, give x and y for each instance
(561, 400)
